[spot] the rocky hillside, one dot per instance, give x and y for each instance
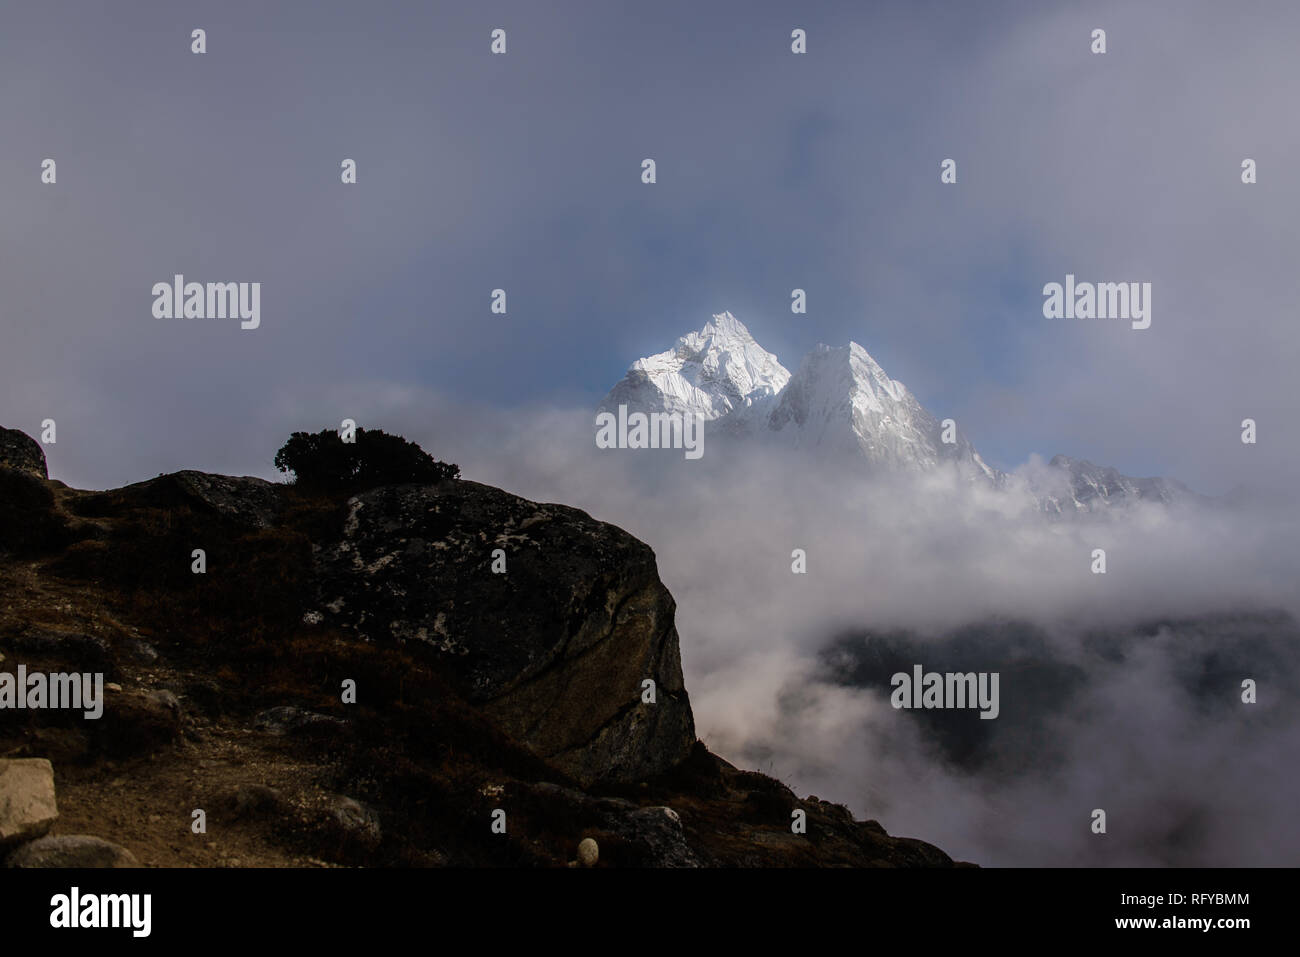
(363, 680)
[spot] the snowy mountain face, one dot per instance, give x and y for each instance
(1092, 488)
(840, 399)
(840, 405)
(717, 372)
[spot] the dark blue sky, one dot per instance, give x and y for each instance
(522, 171)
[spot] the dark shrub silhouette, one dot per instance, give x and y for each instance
(325, 462)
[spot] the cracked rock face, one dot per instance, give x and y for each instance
(555, 649)
(20, 451)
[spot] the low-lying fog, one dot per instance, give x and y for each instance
(1119, 691)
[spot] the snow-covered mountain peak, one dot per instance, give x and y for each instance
(839, 381)
(841, 405)
(722, 328)
(1083, 487)
(840, 402)
(869, 376)
(717, 370)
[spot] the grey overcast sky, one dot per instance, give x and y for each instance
(522, 171)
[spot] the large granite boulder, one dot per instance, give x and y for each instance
(20, 451)
(556, 648)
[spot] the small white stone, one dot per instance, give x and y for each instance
(588, 852)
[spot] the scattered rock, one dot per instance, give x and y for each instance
(75, 649)
(27, 805)
(631, 835)
(252, 800)
(288, 718)
(20, 451)
(72, 850)
(358, 822)
(588, 852)
(138, 721)
(164, 699)
(140, 651)
(658, 831)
